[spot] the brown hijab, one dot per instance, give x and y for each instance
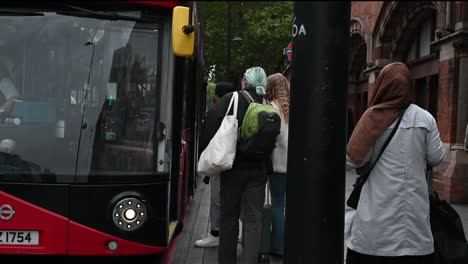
(392, 94)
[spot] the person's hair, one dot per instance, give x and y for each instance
(277, 89)
(223, 88)
(256, 77)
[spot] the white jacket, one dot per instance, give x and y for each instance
(280, 153)
(392, 218)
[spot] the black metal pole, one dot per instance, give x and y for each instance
(228, 44)
(317, 136)
(83, 124)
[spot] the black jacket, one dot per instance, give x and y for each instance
(215, 116)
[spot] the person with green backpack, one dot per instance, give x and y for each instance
(243, 186)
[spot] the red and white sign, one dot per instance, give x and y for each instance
(288, 51)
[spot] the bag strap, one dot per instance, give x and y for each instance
(249, 98)
(364, 177)
(429, 178)
(267, 193)
(234, 100)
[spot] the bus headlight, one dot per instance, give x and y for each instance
(129, 214)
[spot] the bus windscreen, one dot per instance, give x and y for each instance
(79, 95)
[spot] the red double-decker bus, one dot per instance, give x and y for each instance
(98, 116)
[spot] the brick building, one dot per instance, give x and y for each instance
(432, 39)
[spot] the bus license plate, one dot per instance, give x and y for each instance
(14, 237)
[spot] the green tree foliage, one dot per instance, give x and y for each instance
(210, 88)
(265, 29)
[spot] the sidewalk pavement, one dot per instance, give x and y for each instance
(196, 224)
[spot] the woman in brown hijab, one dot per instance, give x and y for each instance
(392, 94)
(391, 222)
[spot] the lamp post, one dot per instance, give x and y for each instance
(229, 39)
(228, 44)
(317, 134)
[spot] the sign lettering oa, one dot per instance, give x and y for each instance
(301, 30)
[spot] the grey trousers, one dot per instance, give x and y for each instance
(215, 202)
(241, 189)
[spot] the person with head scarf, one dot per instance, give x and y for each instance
(277, 93)
(242, 187)
(391, 223)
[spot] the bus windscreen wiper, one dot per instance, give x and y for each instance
(83, 12)
(14, 12)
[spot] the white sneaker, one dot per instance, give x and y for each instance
(207, 240)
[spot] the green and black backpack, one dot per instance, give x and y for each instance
(259, 130)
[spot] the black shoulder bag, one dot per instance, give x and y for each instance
(355, 195)
(450, 245)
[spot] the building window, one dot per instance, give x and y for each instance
(425, 39)
(426, 93)
(364, 99)
(421, 44)
(412, 52)
(357, 57)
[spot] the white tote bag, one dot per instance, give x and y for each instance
(220, 153)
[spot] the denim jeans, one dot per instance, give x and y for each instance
(278, 196)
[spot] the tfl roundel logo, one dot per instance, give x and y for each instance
(6, 212)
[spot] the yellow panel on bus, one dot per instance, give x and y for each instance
(182, 44)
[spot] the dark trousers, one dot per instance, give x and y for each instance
(353, 257)
(241, 189)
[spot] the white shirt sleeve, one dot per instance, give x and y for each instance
(8, 88)
(434, 149)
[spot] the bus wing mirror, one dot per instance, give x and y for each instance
(182, 39)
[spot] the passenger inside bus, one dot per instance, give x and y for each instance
(126, 121)
(8, 90)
